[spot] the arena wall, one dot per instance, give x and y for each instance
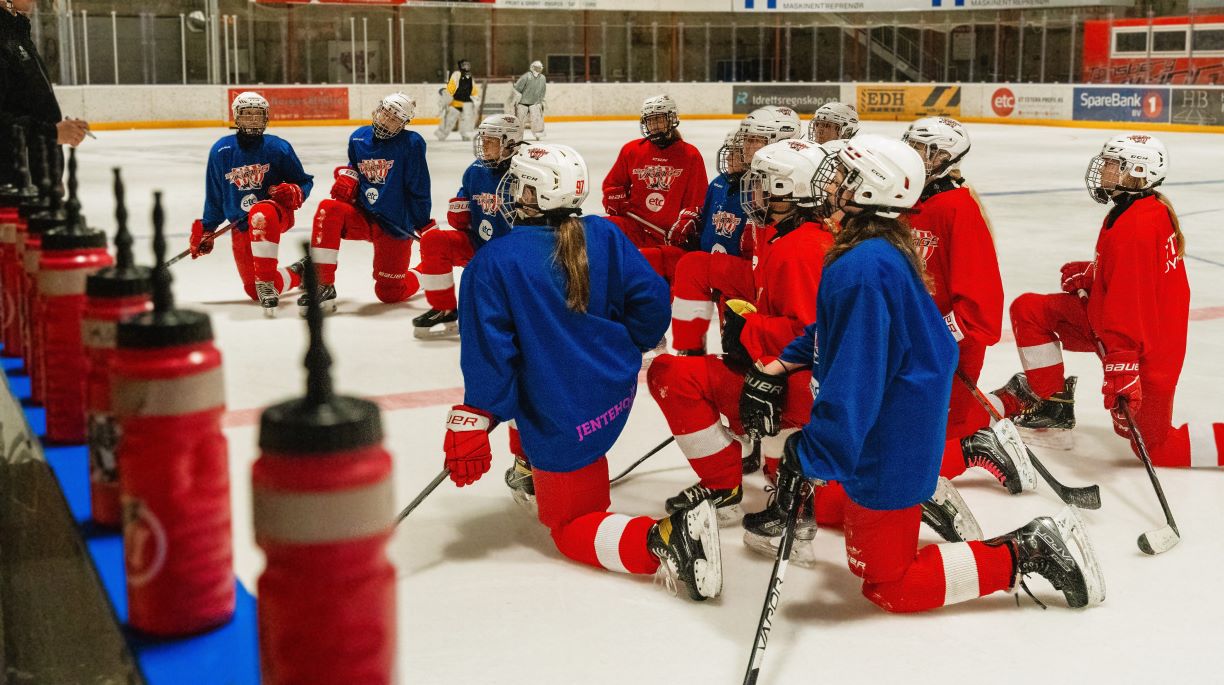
(1181, 108)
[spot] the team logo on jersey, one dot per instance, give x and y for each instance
(658, 176)
(489, 202)
(371, 195)
(248, 201)
(925, 242)
(486, 230)
(655, 202)
(249, 177)
(536, 152)
(725, 223)
(375, 170)
(1171, 258)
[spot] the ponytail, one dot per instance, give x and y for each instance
(571, 255)
(1177, 232)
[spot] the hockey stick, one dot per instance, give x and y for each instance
(183, 255)
(433, 485)
(484, 95)
(1164, 538)
(648, 455)
(774, 595)
(648, 224)
(1087, 497)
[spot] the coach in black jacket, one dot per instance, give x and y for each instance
(26, 97)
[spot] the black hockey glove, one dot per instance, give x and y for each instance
(734, 353)
(760, 403)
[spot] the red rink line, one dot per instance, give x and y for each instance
(418, 399)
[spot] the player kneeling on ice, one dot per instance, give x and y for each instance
(953, 239)
(883, 379)
(1138, 300)
(474, 215)
(382, 196)
(556, 319)
(255, 182)
(833, 121)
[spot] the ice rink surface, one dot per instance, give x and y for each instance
(485, 598)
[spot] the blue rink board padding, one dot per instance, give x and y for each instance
(225, 656)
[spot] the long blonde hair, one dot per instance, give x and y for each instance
(571, 255)
(1177, 232)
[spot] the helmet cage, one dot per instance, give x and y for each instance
(673, 122)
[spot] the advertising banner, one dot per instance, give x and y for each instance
(1198, 106)
(802, 99)
(908, 5)
(1026, 102)
(908, 102)
(1122, 104)
(301, 104)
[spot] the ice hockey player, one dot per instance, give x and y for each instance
(531, 89)
(553, 285)
(474, 216)
(768, 125)
(722, 269)
(254, 181)
(465, 96)
(833, 121)
(954, 241)
(382, 197)
(883, 379)
(1138, 305)
(695, 391)
(654, 189)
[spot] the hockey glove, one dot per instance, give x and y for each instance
(1122, 380)
(468, 454)
(760, 402)
(459, 213)
(201, 240)
(616, 202)
(344, 189)
(790, 469)
(735, 317)
(685, 227)
(1120, 425)
(287, 195)
(1078, 276)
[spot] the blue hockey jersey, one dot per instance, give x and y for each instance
(479, 187)
(238, 177)
(722, 216)
(393, 179)
(884, 374)
(568, 379)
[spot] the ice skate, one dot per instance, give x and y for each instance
(948, 515)
(1058, 549)
(1000, 451)
(763, 529)
(686, 544)
(436, 324)
(297, 268)
(726, 502)
(1049, 423)
(326, 298)
(268, 297)
(522, 487)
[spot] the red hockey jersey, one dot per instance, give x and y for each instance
(955, 242)
(787, 273)
(1140, 299)
(655, 183)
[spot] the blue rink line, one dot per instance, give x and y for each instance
(224, 656)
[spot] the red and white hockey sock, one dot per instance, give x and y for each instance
(953, 459)
(439, 288)
(606, 540)
(1193, 445)
(690, 321)
(715, 456)
(325, 239)
(945, 574)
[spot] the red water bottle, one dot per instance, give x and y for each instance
(111, 295)
(323, 513)
(15, 286)
(168, 395)
(17, 199)
(69, 256)
(40, 223)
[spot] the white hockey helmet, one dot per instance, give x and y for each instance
(1138, 156)
(879, 174)
(537, 66)
(392, 114)
(250, 110)
(557, 174)
(833, 120)
(506, 129)
(772, 123)
(934, 135)
(655, 106)
(782, 170)
(731, 155)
